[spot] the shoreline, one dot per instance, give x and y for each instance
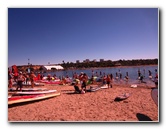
(110, 67)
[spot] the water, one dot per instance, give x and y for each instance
(132, 72)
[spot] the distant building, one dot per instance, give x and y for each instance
(86, 61)
(94, 60)
(77, 61)
(101, 60)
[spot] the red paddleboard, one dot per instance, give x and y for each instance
(12, 100)
(23, 97)
(154, 94)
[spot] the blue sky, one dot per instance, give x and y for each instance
(55, 34)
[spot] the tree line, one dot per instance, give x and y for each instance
(93, 64)
(109, 63)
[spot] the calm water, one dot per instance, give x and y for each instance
(132, 72)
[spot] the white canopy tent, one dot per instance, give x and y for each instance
(49, 67)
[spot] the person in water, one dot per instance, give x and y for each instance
(156, 78)
(141, 78)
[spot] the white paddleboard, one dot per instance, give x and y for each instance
(27, 89)
(37, 92)
(154, 94)
(133, 86)
(122, 96)
(104, 87)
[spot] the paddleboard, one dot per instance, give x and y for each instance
(133, 86)
(10, 98)
(93, 89)
(27, 89)
(154, 94)
(29, 84)
(104, 87)
(53, 82)
(31, 98)
(122, 96)
(36, 92)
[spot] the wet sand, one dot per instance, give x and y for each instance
(96, 106)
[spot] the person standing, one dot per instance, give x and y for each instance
(20, 80)
(116, 76)
(104, 80)
(9, 79)
(27, 78)
(126, 77)
(32, 76)
(139, 74)
(84, 82)
(108, 80)
(15, 76)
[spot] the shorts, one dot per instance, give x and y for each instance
(108, 82)
(19, 84)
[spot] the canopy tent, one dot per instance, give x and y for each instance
(49, 67)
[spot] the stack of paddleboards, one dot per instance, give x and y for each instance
(30, 94)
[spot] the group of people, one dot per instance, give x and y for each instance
(81, 78)
(19, 78)
(84, 80)
(142, 76)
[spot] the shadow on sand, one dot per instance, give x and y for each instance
(142, 117)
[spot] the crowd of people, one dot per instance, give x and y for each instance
(19, 78)
(83, 79)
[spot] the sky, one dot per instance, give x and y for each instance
(51, 35)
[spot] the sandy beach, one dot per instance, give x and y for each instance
(96, 106)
